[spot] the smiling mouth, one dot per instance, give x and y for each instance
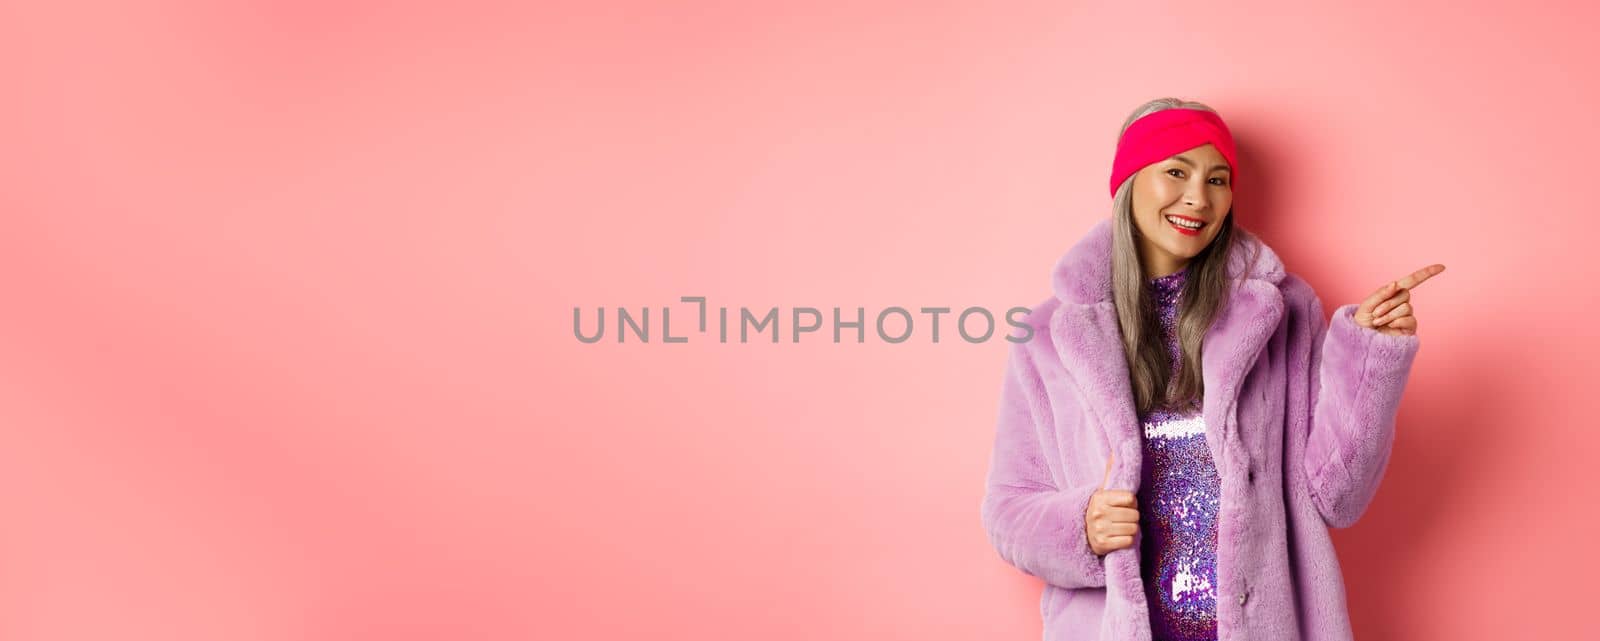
(1186, 223)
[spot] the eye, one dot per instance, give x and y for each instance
(1175, 172)
(1220, 181)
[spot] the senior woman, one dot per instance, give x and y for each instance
(1185, 426)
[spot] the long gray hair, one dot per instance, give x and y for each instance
(1206, 286)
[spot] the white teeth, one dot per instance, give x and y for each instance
(1184, 223)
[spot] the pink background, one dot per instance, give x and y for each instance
(288, 354)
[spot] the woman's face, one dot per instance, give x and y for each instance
(1193, 185)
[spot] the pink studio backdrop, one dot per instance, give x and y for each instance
(288, 349)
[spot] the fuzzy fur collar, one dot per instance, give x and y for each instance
(1083, 275)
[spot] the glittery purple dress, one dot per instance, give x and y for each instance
(1178, 500)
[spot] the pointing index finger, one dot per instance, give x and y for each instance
(1417, 277)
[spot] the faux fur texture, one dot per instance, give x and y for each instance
(1299, 418)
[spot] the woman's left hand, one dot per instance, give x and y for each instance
(1388, 310)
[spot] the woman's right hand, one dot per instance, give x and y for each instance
(1112, 517)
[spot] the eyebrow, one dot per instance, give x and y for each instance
(1191, 163)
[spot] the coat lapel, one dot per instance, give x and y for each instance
(1088, 340)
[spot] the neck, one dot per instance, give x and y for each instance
(1162, 266)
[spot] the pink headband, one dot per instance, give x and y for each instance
(1162, 134)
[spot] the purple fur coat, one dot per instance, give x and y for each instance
(1299, 416)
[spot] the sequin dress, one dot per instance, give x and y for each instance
(1178, 502)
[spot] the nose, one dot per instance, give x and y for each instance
(1195, 197)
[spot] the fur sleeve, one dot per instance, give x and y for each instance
(1035, 526)
(1358, 375)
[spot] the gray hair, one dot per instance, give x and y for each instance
(1205, 288)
